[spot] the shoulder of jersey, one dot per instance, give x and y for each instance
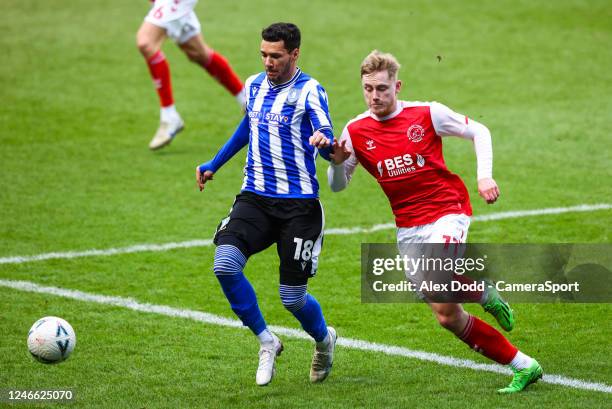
(259, 77)
(363, 115)
(413, 104)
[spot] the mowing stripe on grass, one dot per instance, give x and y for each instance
(335, 231)
(358, 344)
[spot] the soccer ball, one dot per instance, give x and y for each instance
(51, 340)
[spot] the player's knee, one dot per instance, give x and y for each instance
(446, 321)
(228, 260)
(146, 47)
(293, 297)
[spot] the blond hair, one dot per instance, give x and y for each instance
(378, 61)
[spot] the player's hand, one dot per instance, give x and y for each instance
(203, 177)
(488, 190)
(319, 140)
(340, 152)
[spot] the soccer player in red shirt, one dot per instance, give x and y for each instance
(177, 20)
(400, 144)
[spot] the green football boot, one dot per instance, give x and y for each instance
(523, 378)
(498, 308)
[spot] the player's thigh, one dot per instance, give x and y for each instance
(449, 229)
(150, 38)
(247, 227)
(299, 245)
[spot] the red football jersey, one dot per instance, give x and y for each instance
(403, 151)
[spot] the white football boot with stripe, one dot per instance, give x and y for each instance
(267, 361)
(166, 132)
(322, 361)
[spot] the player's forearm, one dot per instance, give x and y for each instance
(481, 136)
(238, 140)
(484, 151)
(336, 177)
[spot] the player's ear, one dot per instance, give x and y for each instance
(296, 53)
(398, 87)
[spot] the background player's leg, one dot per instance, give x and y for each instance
(149, 40)
(215, 64)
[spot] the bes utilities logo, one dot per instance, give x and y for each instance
(399, 165)
(416, 133)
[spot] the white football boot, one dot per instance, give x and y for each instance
(322, 361)
(267, 361)
(166, 132)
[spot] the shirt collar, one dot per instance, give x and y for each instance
(396, 112)
(285, 84)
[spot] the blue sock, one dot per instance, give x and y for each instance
(229, 262)
(243, 301)
(311, 318)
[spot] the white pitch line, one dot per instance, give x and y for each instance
(350, 343)
(334, 231)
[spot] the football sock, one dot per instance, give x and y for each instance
(243, 301)
(293, 297)
(485, 339)
(168, 113)
(160, 72)
(521, 361)
(219, 68)
(322, 345)
(311, 318)
(265, 337)
(228, 265)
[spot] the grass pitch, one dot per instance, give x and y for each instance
(78, 110)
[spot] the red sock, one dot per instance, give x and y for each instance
(485, 339)
(220, 69)
(160, 72)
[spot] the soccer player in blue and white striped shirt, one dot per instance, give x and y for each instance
(286, 121)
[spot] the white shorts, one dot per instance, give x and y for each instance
(177, 18)
(450, 230)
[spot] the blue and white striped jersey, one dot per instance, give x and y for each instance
(281, 118)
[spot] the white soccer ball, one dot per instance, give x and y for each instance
(51, 340)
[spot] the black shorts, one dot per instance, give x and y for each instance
(295, 225)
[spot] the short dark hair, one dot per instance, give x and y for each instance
(287, 32)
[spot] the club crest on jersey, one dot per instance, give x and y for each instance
(294, 95)
(416, 133)
(370, 145)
